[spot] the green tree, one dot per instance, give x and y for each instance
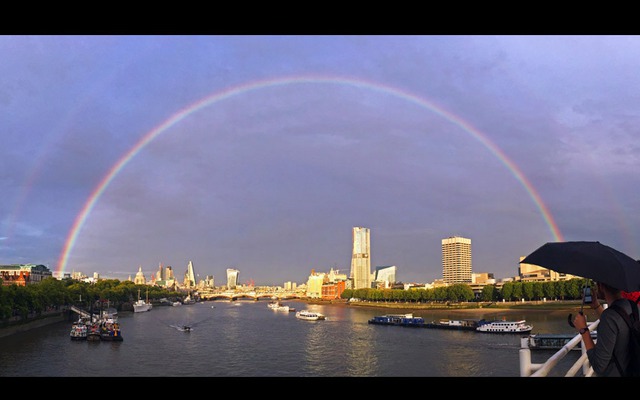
(413, 295)
(538, 290)
(517, 291)
(507, 291)
(549, 290)
(489, 293)
(397, 295)
(440, 293)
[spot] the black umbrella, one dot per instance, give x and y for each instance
(591, 260)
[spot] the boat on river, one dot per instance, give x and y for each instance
(142, 305)
(308, 315)
(277, 306)
(501, 326)
(398, 320)
(109, 326)
(182, 328)
(93, 332)
(79, 330)
(188, 300)
(454, 324)
(110, 331)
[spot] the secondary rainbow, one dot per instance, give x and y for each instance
(262, 84)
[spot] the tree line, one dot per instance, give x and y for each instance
(510, 291)
(52, 294)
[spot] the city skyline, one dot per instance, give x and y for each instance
(262, 152)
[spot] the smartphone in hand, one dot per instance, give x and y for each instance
(587, 298)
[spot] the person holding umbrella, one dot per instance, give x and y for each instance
(613, 272)
(611, 354)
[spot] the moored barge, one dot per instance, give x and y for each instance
(455, 324)
(398, 320)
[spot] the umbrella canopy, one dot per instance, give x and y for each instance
(592, 260)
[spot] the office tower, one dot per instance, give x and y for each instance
(189, 276)
(361, 258)
(232, 278)
(456, 260)
(385, 276)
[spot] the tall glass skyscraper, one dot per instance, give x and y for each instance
(361, 258)
(456, 260)
(189, 277)
(232, 278)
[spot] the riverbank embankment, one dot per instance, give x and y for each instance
(552, 307)
(33, 323)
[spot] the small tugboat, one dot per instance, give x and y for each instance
(110, 331)
(110, 328)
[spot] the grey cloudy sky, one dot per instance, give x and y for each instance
(262, 152)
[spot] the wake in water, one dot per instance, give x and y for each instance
(182, 328)
(188, 327)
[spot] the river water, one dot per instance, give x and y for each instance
(245, 338)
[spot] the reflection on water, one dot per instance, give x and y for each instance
(245, 338)
(361, 358)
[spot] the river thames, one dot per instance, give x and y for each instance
(245, 338)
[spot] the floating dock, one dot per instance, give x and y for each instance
(552, 341)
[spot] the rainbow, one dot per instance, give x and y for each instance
(267, 83)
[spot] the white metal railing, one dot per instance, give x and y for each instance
(529, 369)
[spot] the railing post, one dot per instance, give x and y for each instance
(583, 349)
(525, 358)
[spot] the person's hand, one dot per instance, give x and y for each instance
(595, 303)
(580, 321)
(594, 294)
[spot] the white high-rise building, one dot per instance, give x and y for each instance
(189, 277)
(361, 258)
(232, 278)
(456, 260)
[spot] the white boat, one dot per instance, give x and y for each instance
(310, 315)
(277, 306)
(141, 305)
(273, 305)
(188, 300)
(500, 326)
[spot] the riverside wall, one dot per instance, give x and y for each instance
(39, 322)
